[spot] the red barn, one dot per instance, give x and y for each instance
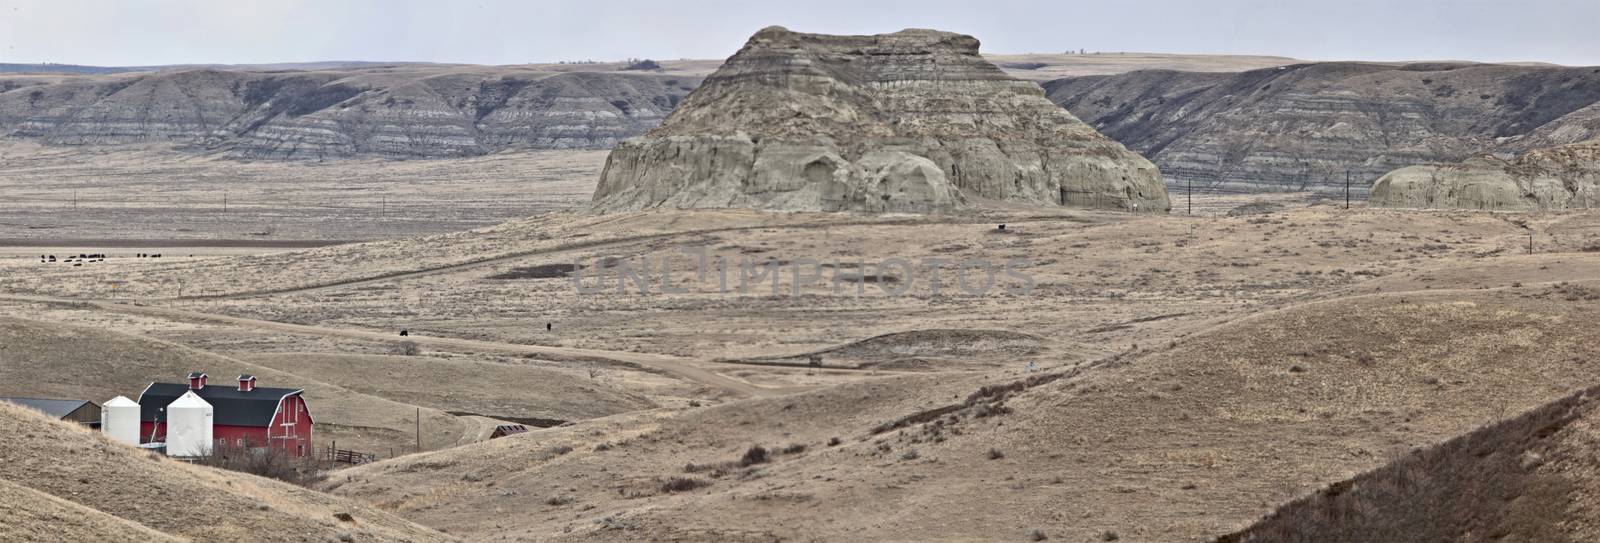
(246, 416)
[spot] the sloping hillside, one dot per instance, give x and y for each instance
(30, 515)
(1531, 478)
(102, 488)
(497, 390)
(1175, 444)
(51, 360)
(409, 111)
(1301, 127)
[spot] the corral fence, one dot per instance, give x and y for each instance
(345, 456)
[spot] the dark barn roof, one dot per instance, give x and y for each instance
(54, 408)
(231, 407)
(507, 429)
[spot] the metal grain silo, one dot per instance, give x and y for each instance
(189, 421)
(119, 419)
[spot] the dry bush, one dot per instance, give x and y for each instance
(755, 455)
(271, 462)
(683, 484)
(405, 348)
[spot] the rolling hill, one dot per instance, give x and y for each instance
(68, 483)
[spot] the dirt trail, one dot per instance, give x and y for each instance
(571, 247)
(680, 367)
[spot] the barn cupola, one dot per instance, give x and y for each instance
(197, 380)
(247, 383)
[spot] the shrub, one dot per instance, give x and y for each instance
(995, 454)
(272, 462)
(683, 484)
(645, 64)
(796, 448)
(405, 348)
(755, 455)
(834, 442)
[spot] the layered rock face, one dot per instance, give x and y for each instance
(390, 112)
(1557, 178)
(1303, 127)
(914, 121)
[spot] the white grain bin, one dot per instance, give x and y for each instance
(119, 419)
(189, 426)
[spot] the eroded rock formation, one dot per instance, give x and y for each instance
(400, 112)
(1561, 177)
(913, 121)
(1302, 127)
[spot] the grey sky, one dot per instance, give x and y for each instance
(147, 32)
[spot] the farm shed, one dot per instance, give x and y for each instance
(504, 430)
(82, 412)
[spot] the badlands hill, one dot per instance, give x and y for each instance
(1301, 127)
(1561, 177)
(390, 111)
(404, 110)
(66, 483)
(914, 121)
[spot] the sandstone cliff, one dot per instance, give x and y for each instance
(385, 111)
(1561, 177)
(913, 121)
(1302, 127)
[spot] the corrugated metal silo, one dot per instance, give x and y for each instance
(189, 421)
(119, 419)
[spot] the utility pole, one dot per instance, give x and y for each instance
(1347, 189)
(419, 429)
(1530, 244)
(1191, 196)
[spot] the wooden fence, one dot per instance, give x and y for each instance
(345, 456)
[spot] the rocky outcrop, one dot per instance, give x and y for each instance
(1302, 127)
(913, 121)
(1562, 177)
(400, 112)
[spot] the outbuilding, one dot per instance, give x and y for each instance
(504, 430)
(82, 412)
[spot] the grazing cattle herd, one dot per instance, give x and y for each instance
(80, 258)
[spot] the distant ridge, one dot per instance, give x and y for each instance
(51, 68)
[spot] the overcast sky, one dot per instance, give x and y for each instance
(149, 32)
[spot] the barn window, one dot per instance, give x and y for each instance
(240, 442)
